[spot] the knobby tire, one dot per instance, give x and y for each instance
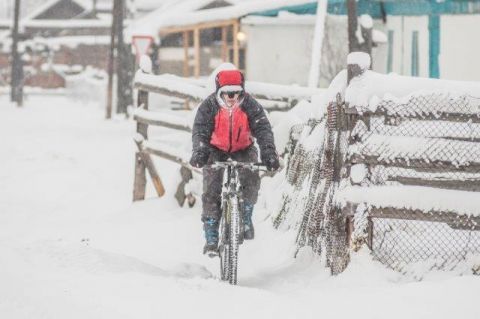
(234, 236)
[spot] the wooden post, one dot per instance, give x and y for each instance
(370, 233)
(236, 48)
(16, 63)
(224, 44)
(196, 42)
(111, 57)
(122, 85)
(352, 25)
(140, 181)
(186, 59)
(353, 68)
(368, 38)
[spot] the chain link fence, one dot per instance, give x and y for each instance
(312, 179)
(401, 176)
(426, 150)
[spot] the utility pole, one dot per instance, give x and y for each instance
(111, 58)
(122, 84)
(16, 74)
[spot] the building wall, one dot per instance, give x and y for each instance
(86, 55)
(278, 53)
(460, 47)
(171, 60)
(403, 28)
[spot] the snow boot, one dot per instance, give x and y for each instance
(210, 227)
(248, 231)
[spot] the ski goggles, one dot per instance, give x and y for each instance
(232, 94)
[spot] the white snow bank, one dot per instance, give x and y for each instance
(413, 197)
(371, 87)
(74, 245)
(361, 58)
(392, 148)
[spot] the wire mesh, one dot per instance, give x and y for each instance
(413, 246)
(433, 141)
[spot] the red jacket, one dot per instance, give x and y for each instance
(216, 127)
(231, 130)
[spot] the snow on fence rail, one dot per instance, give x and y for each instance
(398, 170)
(280, 97)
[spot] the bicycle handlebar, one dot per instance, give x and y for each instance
(235, 164)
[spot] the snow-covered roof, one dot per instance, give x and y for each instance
(87, 5)
(283, 18)
(71, 23)
(152, 23)
(74, 41)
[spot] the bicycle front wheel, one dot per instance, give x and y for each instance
(234, 239)
(224, 248)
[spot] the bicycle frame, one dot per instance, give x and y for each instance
(231, 222)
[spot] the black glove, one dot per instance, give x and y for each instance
(270, 159)
(199, 159)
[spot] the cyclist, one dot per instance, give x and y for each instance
(225, 125)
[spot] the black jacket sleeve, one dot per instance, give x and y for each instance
(260, 126)
(203, 126)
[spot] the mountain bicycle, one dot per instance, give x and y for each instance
(231, 222)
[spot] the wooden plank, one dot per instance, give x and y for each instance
(156, 122)
(142, 100)
(236, 47)
(186, 59)
(150, 166)
(180, 195)
(140, 179)
(452, 219)
(169, 157)
(441, 116)
(415, 163)
(464, 185)
(164, 91)
(196, 42)
(191, 27)
(224, 44)
(370, 227)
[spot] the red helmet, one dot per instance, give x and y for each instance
(230, 81)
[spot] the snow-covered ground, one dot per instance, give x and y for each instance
(72, 244)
